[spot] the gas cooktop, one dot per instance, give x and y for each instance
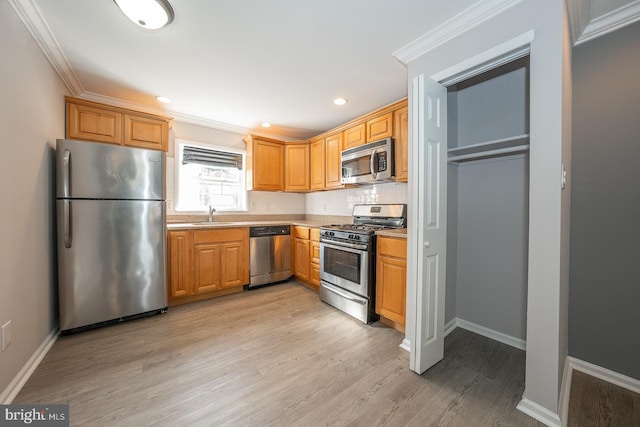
(356, 228)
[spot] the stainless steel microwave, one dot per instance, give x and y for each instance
(368, 163)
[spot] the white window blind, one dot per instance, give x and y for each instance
(208, 176)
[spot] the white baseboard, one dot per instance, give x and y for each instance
(23, 375)
(565, 391)
(490, 333)
(450, 326)
(406, 345)
(538, 412)
(605, 374)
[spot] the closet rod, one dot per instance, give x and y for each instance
(489, 153)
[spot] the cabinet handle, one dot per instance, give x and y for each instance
(427, 244)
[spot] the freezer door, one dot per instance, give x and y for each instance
(90, 170)
(111, 259)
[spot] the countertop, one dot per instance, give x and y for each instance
(230, 224)
(400, 233)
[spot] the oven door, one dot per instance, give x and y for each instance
(347, 266)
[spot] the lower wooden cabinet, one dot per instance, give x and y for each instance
(179, 265)
(306, 255)
(391, 280)
(314, 242)
(206, 263)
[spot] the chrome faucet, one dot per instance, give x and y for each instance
(211, 211)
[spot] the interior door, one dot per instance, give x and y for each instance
(428, 242)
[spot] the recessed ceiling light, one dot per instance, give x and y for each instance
(163, 99)
(266, 125)
(340, 101)
(149, 14)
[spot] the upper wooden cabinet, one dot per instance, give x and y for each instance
(265, 163)
(316, 166)
(354, 136)
(333, 168)
(146, 132)
(296, 167)
(401, 138)
(92, 121)
(380, 127)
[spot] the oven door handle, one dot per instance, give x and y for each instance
(346, 296)
(343, 246)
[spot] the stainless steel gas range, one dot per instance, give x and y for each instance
(347, 258)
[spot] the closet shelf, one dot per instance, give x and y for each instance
(483, 150)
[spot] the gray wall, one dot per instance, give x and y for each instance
(488, 208)
(31, 118)
(604, 304)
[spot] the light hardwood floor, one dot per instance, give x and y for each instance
(273, 356)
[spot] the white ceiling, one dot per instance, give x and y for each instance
(235, 64)
(244, 62)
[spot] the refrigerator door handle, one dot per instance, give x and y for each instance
(66, 169)
(66, 212)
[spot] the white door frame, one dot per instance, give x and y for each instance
(418, 309)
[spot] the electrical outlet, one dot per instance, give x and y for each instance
(6, 335)
(169, 205)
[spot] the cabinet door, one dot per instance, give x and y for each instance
(314, 267)
(296, 167)
(391, 286)
(179, 263)
(401, 137)
(354, 136)
(333, 168)
(317, 164)
(380, 127)
(268, 167)
(207, 271)
(301, 253)
(232, 264)
(146, 132)
(93, 124)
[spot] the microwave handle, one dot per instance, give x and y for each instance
(374, 173)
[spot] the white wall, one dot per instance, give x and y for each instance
(340, 202)
(550, 119)
(31, 118)
(258, 203)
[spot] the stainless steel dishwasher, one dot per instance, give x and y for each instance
(270, 254)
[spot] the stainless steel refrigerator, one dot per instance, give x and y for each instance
(110, 203)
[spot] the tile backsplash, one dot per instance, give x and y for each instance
(340, 202)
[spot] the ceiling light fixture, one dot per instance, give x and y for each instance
(149, 14)
(266, 125)
(163, 99)
(340, 101)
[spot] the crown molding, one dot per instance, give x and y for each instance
(579, 12)
(469, 18)
(31, 17)
(584, 27)
(612, 21)
(208, 123)
(176, 115)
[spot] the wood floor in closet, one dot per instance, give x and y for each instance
(273, 356)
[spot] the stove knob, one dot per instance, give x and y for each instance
(356, 237)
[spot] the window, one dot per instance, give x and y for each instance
(209, 176)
